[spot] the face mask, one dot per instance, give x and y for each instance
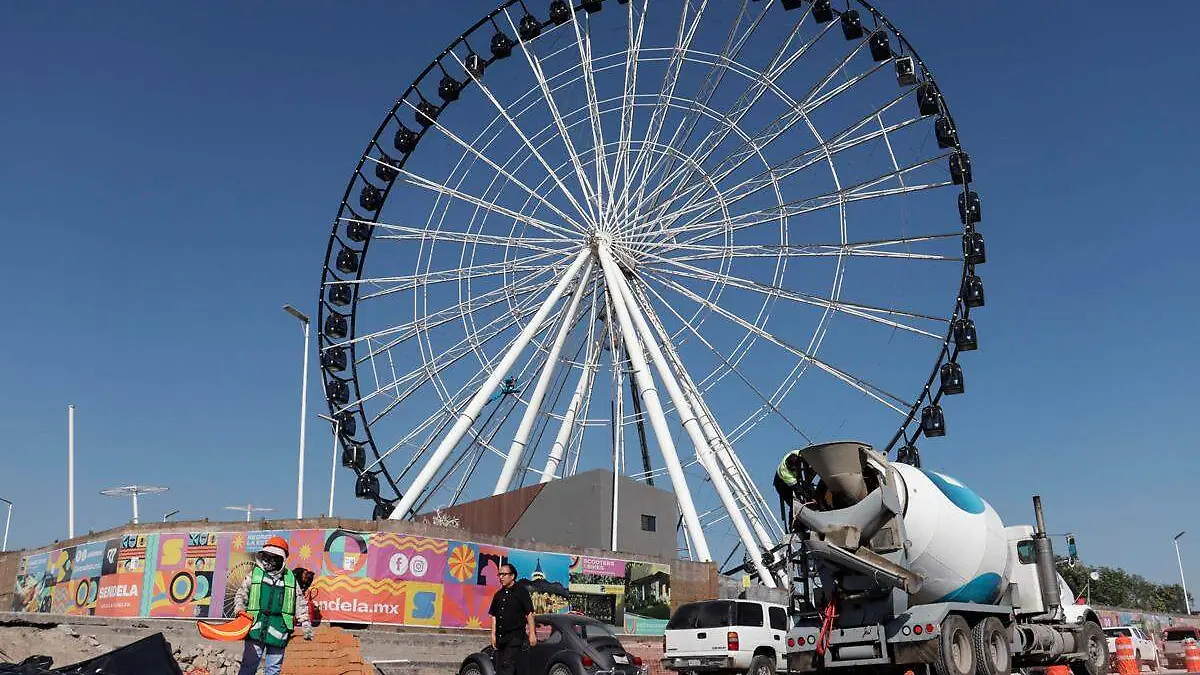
(271, 563)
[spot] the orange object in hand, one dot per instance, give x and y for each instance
(228, 631)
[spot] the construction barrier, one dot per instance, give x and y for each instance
(1127, 663)
(1058, 670)
(1191, 655)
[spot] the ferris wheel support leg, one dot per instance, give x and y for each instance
(467, 417)
(658, 420)
(559, 449)
(691, 424)
(716, 438)
(517, 450)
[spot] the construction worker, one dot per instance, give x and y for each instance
(270, 596)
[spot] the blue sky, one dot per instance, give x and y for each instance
(170, 173)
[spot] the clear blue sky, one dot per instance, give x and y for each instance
(170, 173)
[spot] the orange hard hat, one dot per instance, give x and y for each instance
(277, 545)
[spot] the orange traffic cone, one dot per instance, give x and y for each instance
(1058, 670)
(1191, 655)
(1127, 663)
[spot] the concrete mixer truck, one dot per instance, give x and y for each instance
(911, 570)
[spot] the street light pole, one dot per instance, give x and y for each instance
(71, 471)
(1186, 603)
(303, 318)
(7, 522)
(337, 429)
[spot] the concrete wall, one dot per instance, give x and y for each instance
(579, 510)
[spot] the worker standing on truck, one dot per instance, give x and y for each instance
(512, 623)
(793, 480)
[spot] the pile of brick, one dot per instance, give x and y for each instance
(332, 651)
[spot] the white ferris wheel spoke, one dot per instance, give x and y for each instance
(535, 66)
(888, 399)
(427, 372)
(849, 308)
(512, 123)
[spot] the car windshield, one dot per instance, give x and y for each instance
(1114, 632)
(1176, 634)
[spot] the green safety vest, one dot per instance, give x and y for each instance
(784, 473)
(272, 607)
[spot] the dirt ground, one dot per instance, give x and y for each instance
(63, 644)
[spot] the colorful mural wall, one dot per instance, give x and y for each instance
(361, 577)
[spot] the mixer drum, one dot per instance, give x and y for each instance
(956, 539)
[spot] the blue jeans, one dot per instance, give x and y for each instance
(254, 652)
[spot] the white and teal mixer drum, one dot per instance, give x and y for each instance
(956, 539)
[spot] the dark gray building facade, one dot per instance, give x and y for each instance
(577, 512)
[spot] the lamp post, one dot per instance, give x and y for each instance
(71, 471)
(133, 491)
(1094, 576)
(7, 521)
(337, 428)
(167, 516)
(249, 509)
(1186, 603)
(303, 318)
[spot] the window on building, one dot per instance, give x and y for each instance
(649, 523)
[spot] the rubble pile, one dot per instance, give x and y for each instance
(205, 660)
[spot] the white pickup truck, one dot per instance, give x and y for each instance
(726, 636)
(1145, 650)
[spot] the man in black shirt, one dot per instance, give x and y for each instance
(512, 622)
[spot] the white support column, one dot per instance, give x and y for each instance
(559, 449)
(135, 508)
(658, 421)
(692, 425)
(471, 411)
(517, 450)
(717, 440)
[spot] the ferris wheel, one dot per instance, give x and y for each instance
(661, 238)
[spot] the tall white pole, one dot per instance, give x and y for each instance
(303, 419)
(71, 471)
(1186, 603)
(135, 508)
(467, 417)
(517, 450)
(691, 425)
(248, 510)
(7, 522)
(337, 429)
(658, 421)
(618, 434)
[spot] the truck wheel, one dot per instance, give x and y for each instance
(955, 656)
(762, 665)
(1095, 648)
(993, 655)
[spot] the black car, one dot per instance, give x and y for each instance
(567, 644)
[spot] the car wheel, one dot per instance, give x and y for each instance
(762, 665)
(470, 668)
(559, 669)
